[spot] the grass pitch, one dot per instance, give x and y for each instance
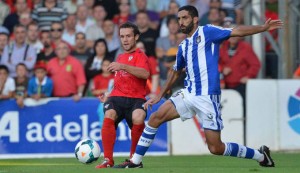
(285, 163)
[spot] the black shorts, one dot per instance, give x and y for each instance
(124, 107)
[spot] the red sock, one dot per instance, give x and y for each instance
(136, 133)
(108, 138)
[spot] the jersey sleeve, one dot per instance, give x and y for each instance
(179, 63)
(217, 34)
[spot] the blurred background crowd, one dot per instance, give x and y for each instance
(61, 48)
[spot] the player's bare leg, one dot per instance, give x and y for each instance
(108, 138)
(217, 147)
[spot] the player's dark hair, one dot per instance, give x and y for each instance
(5, 68)
(132, 26)
(191, 9)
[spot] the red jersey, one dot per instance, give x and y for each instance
(101, 82)
(126, 84)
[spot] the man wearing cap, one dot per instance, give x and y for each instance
(40, 86)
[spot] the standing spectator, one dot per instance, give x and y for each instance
(21, 82)
(3, 43)
(33, 37)
(122, 17)
(153, 17)
(67, 73)
(214, 17)
(19, 52)
(101, 81)
(234, 10)
(25, 19)
(48, 52)
(111, 7)
(201, 5)
(238, 64)
(83, 21)
(163, 44)
(172, 10)
(56, 34)
(148, 35)
(95, 31)
(7, 84)
(93, 64)
(81, 52)
(111, 37)
(70, 31)
(4, 11)
(47, 12)
(70, 5)
(13, 19)
(40, 86)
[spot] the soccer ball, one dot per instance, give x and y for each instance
(87, 151)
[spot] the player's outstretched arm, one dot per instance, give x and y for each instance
(172, 77)
(243, 30)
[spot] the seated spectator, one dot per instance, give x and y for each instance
(214, 17)
(48, 52)
(89, 4)
(33, 37)
(7, 84)
(13, 19)
(40, 86)
(25, 19)
(212, 4)
(3, 42)
(67, 73)
(122, 17)
(19, 52)
(70, 5)
(70, 31)
(57, 29)
(4, 11)
(234, 10)
(297, 73)
(21, 82)
(238, 64)
(148, 35)
(141, 5)
(83, 21)
(93, 64)
(95, 31)
(172, 10)
(47, 12)
(80, 51)
(152, 87)
(111, 35)
(101, 81)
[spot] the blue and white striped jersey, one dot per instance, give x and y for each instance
(199, 54)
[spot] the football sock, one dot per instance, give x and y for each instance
(144, 143)
(236, 150)
(136, 133)
(108, 138)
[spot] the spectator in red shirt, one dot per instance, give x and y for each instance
(238, 64)
(122, 17)
(102, 81)
(128, 95)
(67, 73)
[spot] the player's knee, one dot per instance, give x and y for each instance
(215, 149)
(155, 120)
(110, 115)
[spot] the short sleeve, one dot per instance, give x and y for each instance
(217, 34)
(179, 63)
(142, 62)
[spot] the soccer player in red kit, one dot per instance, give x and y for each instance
(128, 95)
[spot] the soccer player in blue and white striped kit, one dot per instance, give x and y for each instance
(198, 54)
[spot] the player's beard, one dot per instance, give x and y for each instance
(188, 28)
(130, 48)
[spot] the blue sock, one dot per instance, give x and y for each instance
(236, 150)
(144, 143)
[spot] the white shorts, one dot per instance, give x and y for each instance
(206, 107)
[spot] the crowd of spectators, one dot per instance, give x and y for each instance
(62, 48)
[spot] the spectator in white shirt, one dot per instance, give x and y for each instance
(7, 84)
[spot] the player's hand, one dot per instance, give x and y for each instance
(151, 102)
(114, 66)
(272, 24)
(102, 97)
(226, 71)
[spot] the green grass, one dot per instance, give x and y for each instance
(285, 163)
